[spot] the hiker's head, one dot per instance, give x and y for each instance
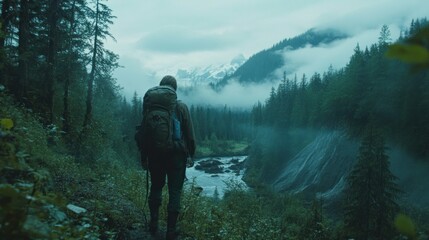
(169, 81)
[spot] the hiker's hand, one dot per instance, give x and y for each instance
(144, 161)
(189, 162)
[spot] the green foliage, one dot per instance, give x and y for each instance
(411, 53)
(242, 214)
(415, 49)
(316, 227)
(405, 226)
(39, 179)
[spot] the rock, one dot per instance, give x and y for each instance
(75, 209)
(211, 166)
(55, 213)
(320, 168)
(34, 227)
(234, 161)
(237, 166)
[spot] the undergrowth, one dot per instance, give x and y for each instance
(42, 185)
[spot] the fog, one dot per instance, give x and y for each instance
(233, 95)
(312, 59)
(413, 176)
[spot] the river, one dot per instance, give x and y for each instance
(219, 180)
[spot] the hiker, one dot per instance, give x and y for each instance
(166, 162)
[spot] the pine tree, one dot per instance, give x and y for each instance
(103, 61)
(371, 192)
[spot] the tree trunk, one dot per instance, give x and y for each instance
(89, 96)
(4, 21)
(24, 33)
(66, 110)
(50, 73)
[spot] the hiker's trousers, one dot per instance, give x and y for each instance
(170, 167)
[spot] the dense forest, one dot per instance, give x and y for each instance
(372, 90)
(69, 165)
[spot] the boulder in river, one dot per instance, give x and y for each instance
(211, 166)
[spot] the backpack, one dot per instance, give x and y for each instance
(160, 127)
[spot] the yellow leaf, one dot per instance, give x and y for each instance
(410, 53)
(405, 225)
(6, 123)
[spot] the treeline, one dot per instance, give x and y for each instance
(220, 123)
(54, 62)
(370, 90)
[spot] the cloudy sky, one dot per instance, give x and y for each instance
(157, 37)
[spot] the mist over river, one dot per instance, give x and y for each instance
(216, 173)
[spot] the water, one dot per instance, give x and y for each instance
(220, 181)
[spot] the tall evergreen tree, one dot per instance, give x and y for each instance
(102, 16)
(53, 18)
(371, 192)
(23, 46)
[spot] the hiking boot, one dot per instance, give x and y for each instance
(153, 223)
(172, 233)
(153, 226)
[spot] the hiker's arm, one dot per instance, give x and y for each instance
(188, 130)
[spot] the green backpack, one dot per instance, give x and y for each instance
(160, 125)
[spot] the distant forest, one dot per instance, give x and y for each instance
(371, 90)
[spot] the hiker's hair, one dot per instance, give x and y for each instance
(169, 81)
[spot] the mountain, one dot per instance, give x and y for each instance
(209, 75)
(260, 67)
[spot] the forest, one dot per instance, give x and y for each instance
(70, 168)
(372, 90)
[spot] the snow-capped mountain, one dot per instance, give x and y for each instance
(210, 74)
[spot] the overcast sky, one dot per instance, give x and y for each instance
(157, 37)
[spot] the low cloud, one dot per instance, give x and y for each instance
(176, 39)
(233, 95)
(134, 77)
(337, 54)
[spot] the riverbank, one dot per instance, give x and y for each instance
(220, 148)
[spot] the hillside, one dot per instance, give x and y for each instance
(260, 67)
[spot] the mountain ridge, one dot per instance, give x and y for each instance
(260, 68)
